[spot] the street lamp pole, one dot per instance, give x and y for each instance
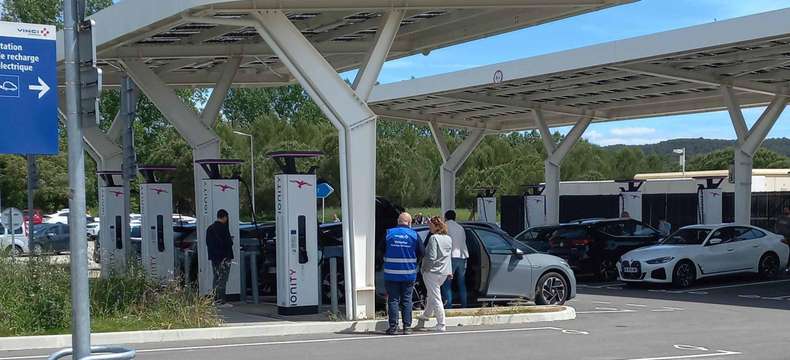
(252, 168)
(682, 153)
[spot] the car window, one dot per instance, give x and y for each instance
(2, 229)
(746, 233)
(725, 234)
(628, 228)
(136, 231)
(18, 231)
(494, 242)
(568, 233)
(528, 235)
(687, 237)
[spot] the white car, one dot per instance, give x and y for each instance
(61, 217)
(698, 251)
(21, 245)
(92, 230)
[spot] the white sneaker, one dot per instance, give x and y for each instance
(439, 328)
(423, 318)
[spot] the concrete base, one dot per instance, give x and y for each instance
(279, 328)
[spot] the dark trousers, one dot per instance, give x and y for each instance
(221, 271)
(399, 300)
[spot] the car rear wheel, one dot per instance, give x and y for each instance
(769, 266)
(37, 250)
(684, 274)
(552, 289)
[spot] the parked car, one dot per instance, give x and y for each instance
(592, 246)
(699, 251)
(500, 267)
(50, 238)
(20, 242)
(92, 230)
(61, 216)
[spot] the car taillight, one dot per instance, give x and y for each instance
(786, 241)
(581, 242)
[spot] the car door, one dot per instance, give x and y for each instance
(64, 243)
(748, 247)
(719, 258)
(510, 274)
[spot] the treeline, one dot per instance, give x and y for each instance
(285, 118)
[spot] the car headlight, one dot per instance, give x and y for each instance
(661, 260)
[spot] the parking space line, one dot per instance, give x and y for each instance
(738, 285)
(636, 305)
(695, 356)
(605, 309)
(331, 340)
(598, 312)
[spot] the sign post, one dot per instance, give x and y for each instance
(28, 74)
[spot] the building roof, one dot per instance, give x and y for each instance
(186, 51)
(710, 173)
(673, 72)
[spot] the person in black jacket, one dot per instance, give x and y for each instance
(219, 244)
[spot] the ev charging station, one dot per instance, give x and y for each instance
(218, 192)
(631, 198)
(535, 205)
(297, 235)
(156, 209)
(113, 222)
(709, 200)
(486, 205)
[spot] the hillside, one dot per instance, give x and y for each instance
(703, 146)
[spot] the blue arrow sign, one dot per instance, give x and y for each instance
(323, 190)
(28, 99)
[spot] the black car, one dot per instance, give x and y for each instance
(50, 238)
(591, 247)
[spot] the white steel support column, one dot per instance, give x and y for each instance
(195, 128)
(749, 141)
(556, 154)
(356, 123)
(452, 161)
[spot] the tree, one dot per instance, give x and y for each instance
(43, 11)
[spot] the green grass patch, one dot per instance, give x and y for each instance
(35, 299)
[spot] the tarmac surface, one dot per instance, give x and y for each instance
(731, 318)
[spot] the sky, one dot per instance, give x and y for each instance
(625, 21)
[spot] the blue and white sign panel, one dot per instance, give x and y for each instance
(323, 190)
(28, 89)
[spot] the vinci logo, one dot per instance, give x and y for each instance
(117, 193)
(34, 32)
(301, 183)
(224, 187)
(159, 191)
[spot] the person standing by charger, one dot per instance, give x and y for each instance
(436, 271)
(219, 244)
(459, 254)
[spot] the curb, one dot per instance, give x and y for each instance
(272, 329)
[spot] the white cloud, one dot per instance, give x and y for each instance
(632, 131)
(593, 135)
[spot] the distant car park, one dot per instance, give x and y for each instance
(50, 239)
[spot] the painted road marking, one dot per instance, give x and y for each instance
(740, 285)
(606, 309)
(330, 340)
(718, 353)
(636, 305)
(758, 297)
(601, 312)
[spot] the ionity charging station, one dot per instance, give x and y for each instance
(111, 229)
(218, 192)
(535, 205)
(631, 198)
(486, 205)
(156, 208)
(297, 235)
(709, 203)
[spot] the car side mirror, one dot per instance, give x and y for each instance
(714, 241)
(50, 234)
(518, 252)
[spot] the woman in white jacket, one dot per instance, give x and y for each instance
(436, 269)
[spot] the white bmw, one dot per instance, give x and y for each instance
(698, 251)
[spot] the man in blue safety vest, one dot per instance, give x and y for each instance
(400, 272)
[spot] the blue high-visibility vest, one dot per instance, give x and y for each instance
(400, 260)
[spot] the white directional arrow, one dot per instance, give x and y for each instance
(42, 88)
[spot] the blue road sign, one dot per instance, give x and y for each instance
(28, 89)
(323, 190)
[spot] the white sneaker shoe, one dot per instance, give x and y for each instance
(439, 328)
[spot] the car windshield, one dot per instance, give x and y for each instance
(687, 237)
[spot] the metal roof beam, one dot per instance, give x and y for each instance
(590, 89)
(630, 94)
(558, 84)
(212, 50)
(518, 103)
(701, 78)
(419, 103)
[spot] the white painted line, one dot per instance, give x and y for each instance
(697, 356)
(636, 305)
(597, 312)
(606, 309)
(614, 288)
(749, 296)
(698, 292)
(777, 297)
(328, 340)
(740, 285)
(601, 302)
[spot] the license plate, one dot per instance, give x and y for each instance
(630, 270)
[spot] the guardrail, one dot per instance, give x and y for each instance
(99, 353)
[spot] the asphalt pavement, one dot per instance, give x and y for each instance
(734, 318)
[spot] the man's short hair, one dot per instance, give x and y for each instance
(450, 215)
(222, 213)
